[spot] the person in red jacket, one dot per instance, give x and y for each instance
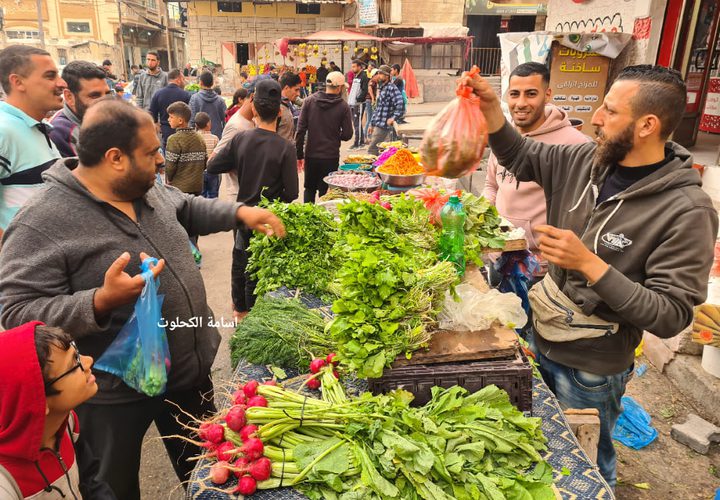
(43, 378)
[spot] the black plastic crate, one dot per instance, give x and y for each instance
(514, 375)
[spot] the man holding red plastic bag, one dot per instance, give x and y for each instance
(621, 213)
(70, 259)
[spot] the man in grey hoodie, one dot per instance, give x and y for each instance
(92, 220)
(208, 101)
(149, 81)
(629, 240)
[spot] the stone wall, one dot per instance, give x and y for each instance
(212, 31)
(415, 12)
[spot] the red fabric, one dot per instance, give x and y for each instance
(22, 414)
(411, 86)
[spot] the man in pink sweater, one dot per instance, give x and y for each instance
(523, 203)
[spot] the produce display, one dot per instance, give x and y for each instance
(455, 139)
(353, 180)
(389, 286)
(300, 260)
(401, 163)
(706, 327)
(359, 158)
(281, 332)
(457, 446)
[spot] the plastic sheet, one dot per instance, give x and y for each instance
(633, 428)
(477, 310)
(140, 355)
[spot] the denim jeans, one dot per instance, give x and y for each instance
(369, 113)
(211, 185)
(580, 389)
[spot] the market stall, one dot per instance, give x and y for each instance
(574, 476)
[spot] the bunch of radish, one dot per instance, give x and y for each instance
(375, 199)
(234, 443)
(316, 365)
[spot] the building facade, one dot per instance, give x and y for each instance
(90, 30)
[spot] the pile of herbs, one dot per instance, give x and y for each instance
(390, 285)
(482, 227)
(458, 446)
(280, 331)
(303, 258)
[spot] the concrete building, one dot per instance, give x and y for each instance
(89, 30)
(234, 34)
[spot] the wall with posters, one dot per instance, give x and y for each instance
(642, 18)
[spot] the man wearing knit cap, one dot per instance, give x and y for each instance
(387, 111)
(327, 120)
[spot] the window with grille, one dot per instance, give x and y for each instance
(74, 27)
(62, 57)
(229, 6)
(307, 8)
(23, 34)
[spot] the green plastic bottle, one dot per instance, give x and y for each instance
(452, 239)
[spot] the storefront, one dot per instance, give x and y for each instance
(690, 45)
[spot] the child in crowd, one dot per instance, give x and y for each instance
(203, 125)
(43, 378)
(185, 153)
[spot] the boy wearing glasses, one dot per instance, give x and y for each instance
(43, 378)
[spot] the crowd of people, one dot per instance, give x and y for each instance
(104, 183)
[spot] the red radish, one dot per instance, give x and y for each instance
(313, 384)
(248, 432)
(271, 382)
(239, 397)
(235, 418)
(246, 486)
(219, 472)
(214, 433)
(331, 359)
(257, 401)
(250, 388)
(242, 465)
(316, 365)
(261, 469)
(386, 205)
(226, 451)
(337, 375)
(253, 448)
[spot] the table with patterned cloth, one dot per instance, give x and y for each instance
(581, 481)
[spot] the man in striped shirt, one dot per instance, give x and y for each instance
(34, 88)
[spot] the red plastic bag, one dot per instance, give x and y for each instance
(454, 142)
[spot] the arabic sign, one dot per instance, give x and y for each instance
(368, 12)
(488, 8)
(578, 80)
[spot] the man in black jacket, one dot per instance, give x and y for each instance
(331, 122)
(358, 106)
(163, 98)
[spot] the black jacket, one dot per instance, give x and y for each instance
(327, 120)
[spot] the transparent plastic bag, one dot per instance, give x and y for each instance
(454, 142)
(476, 310)
(140, 355)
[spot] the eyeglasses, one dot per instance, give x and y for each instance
(77, 365)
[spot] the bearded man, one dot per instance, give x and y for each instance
(86, 84)
(621, 214)
(65, 262)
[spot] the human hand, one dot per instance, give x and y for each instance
(262, 220)
(371, 130)
(489, 100)
(301, 165)
(565, 249)
(119, 288)
(390, 121)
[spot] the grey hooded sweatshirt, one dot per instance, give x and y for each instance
(58, 247)
(657, 236)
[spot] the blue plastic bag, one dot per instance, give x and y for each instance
(139, 355)
(633, 428)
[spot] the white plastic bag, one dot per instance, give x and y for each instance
(477, 310)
